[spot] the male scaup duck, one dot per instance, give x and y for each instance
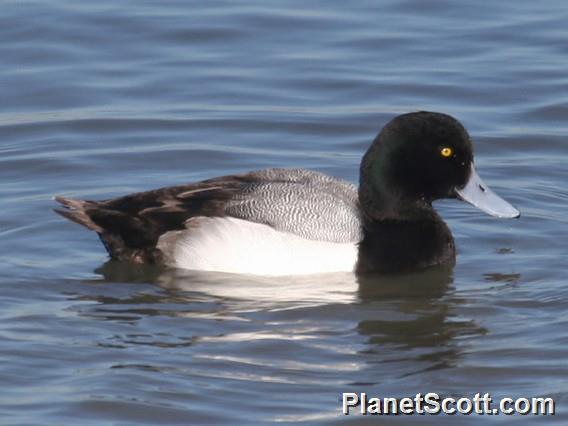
(294, 221)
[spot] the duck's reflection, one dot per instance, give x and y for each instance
(431, 283)
(410, 323)
(420, 324)
(333, 287)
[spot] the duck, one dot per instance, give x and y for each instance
(286, 221)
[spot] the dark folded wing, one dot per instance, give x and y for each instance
(305, 203)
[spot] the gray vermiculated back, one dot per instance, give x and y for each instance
(309, 204)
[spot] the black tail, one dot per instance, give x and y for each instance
(76, 211)
(122, 234)
(130, 226)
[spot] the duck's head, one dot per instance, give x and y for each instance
(418, 158)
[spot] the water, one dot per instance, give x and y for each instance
(105, 98)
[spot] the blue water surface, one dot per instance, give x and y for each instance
(104, 98)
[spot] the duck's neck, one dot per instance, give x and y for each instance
(401, 234)
(390, 245)
(401, 230)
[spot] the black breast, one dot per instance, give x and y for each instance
(398, 246)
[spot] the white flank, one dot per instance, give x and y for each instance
(226, 244)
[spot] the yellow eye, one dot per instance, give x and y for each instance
(446, 151)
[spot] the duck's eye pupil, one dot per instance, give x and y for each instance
(446, 152)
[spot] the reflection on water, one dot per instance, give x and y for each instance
(330, 287)
(417, 329)
(497, 277)
(409, 322)
(262, 291)
(430, 283)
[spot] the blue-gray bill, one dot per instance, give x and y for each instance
(478, 194)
